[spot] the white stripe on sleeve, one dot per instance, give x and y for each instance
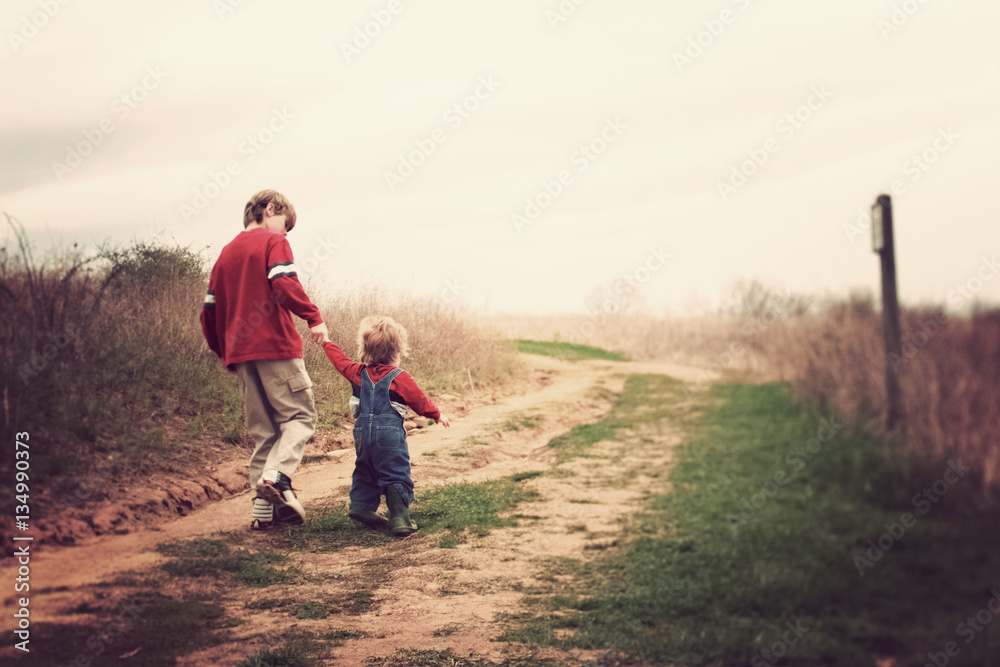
(281, 270)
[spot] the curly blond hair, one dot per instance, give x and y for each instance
(381, 339)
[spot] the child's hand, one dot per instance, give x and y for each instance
(444, 421)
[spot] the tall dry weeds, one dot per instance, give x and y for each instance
(102, 357)
(949, 375)
(449, 350)
(832, 351)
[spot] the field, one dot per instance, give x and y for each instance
(831, 352)
(704, 492)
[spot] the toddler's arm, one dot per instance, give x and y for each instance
(350, 370)
(410, 391)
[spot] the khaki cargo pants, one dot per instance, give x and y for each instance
(280, 412)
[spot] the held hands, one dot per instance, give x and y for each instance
(444, 421)
(319, 333)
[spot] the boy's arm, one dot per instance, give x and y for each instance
(288, 291)
(342, 363)
(208, 319)
(407, 387)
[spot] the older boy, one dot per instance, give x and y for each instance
(247, 320)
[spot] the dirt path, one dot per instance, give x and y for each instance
(436, 598)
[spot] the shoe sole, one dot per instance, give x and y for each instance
(273, 496)
(270, 494)
(403, 531)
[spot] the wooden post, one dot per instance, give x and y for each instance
(883, 243)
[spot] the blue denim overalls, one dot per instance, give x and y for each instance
(380, 445)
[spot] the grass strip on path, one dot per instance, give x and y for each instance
(645, 399)
(567, 351)
(470, 508)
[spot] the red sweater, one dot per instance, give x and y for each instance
(403, 392)
(252, 292)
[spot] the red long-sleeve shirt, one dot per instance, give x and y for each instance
(252, 293)
(403, 392)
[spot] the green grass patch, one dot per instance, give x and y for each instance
(297, 652)
(338, 637)
(715, 579)
(474, 441)
(266, 604)
(360, 602)
(473, 508)
(567, 351)
(522, 476)
(311, 610)
(214, 558)
(519, 421)
(449, 541)
(645, 399)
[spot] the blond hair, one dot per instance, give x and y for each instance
(254, 210)
(381, 339)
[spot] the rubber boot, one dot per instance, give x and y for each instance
(400, 524)
(370, 519)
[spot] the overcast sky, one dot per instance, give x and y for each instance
(121, 118)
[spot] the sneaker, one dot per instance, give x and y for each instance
(282, 501)
(284, 514)
(257, 525)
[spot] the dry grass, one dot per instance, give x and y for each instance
(102, 357)
(449, 352)
(832, 352)
(949, 374)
